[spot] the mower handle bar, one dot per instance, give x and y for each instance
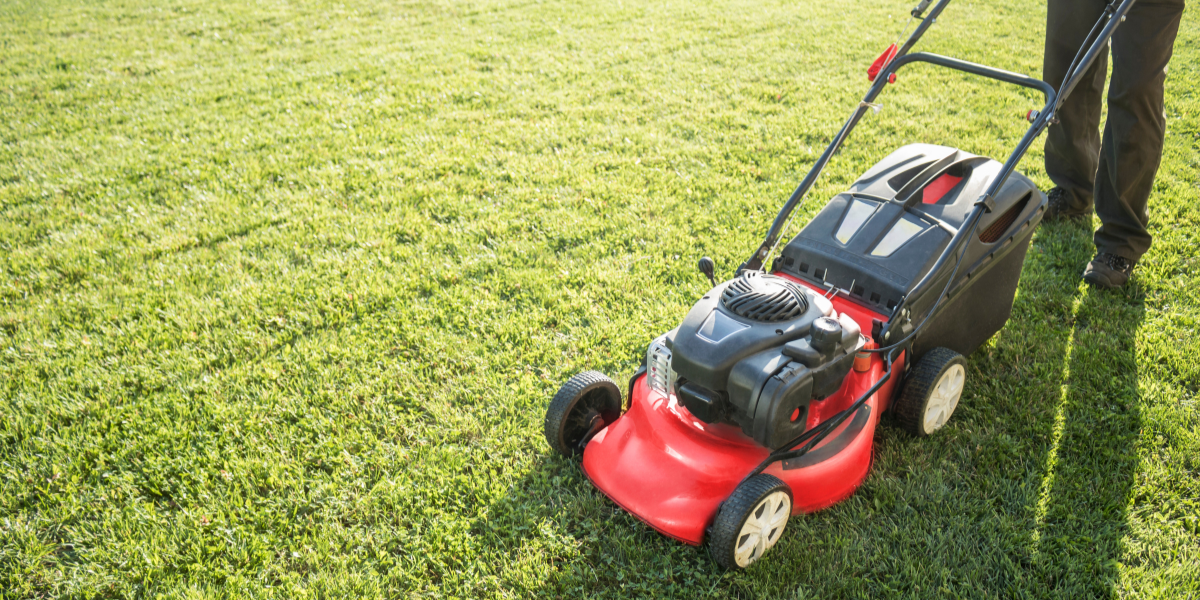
(1054, 99)
(976, 69)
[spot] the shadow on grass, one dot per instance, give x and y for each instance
(575, 542)
(1080, 515)
(1026, 493)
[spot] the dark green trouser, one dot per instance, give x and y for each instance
(1119, 172)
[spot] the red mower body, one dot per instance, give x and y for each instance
(673, 471)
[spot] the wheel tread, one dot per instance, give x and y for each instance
(910, 406)
(722, 542)
(564, 400)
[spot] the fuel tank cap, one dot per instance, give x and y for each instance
(826, 334)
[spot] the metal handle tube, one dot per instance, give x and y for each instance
(975, 69)
(1091, 37)
(921, 27)
(755, 261)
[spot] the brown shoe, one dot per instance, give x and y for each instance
(1108, 271)
(1059, 208)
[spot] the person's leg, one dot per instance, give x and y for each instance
(1133, 134)
(1073, 144)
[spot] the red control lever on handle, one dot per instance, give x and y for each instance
(882, 62)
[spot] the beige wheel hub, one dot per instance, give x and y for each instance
(762, 528)
(944, 398)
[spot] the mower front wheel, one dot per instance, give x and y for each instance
(931, 391)
(585, 404)
(750, 521)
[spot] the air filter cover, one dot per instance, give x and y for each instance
(764, 298)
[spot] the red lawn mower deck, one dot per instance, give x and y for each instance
(673, 471)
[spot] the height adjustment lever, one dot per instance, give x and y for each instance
(707, 267)
(882, 62)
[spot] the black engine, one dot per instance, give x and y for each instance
(756, 350)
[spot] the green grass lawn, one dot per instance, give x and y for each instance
(285, 289)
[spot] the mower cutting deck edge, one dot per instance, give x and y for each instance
(763, 403)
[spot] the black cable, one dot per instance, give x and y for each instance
(815, 435)
(830, 424)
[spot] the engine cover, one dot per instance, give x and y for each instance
(755, 350)
(713, 337)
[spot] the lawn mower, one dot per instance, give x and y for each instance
(763, 403)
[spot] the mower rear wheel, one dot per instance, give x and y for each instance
(585, 404)
(931, 391)
(750, 521)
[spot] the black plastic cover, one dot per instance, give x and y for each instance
(879, 239)
(712, 339)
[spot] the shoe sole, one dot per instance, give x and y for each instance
(1102, 281)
